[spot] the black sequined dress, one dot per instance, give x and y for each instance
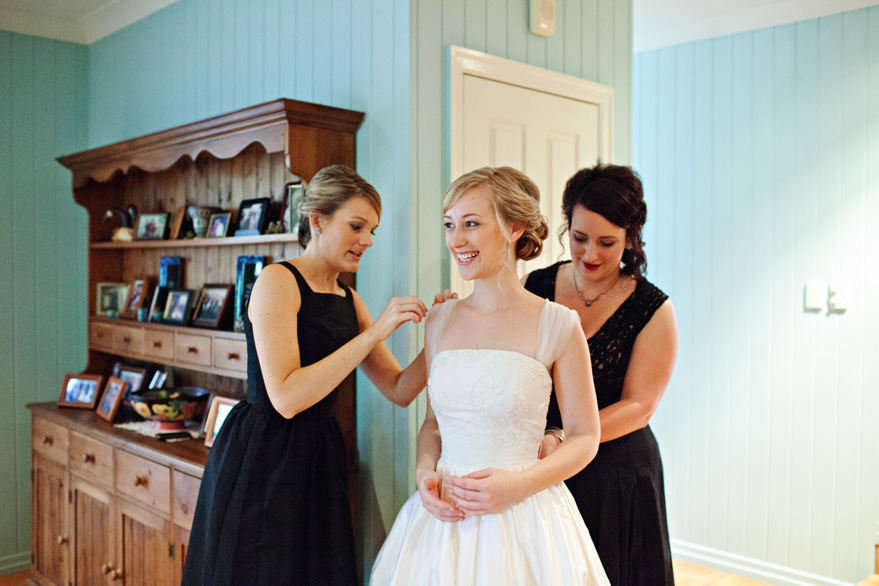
(273, 506)
(620, 493)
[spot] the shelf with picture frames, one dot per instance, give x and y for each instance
(198, 242)
(110, 504)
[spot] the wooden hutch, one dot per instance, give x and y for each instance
(110, 506)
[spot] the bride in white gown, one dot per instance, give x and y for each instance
(488, 511)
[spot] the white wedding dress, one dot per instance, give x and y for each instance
(491, 409)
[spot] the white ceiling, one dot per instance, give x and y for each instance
(663, 23)
(657, 23)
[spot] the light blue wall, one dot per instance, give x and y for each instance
(760, 158)
(42, 316)
(198, 58)
(593, 41)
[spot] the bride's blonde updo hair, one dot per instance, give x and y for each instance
(514, 198)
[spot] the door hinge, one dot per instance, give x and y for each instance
(69, 496)
(171, 550)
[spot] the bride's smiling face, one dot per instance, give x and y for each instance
(473, 235)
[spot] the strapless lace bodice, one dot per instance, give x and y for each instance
(490, 406)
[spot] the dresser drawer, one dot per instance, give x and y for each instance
(127, 340)
(230, 354)
(185, 497)
(50, 440)
(91, 458)
(144, 480)
(193, 349)
(100, 335)
(158, 344)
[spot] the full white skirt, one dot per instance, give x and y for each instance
(540, 541)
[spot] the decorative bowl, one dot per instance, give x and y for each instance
(170, 407)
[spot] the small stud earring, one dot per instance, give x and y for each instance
(317, 231)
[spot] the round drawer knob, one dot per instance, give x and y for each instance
(126, 340)
(157, 344)
(117, 575)
(86, 458)
(47, 439)
(62, 539)
(192, 350)
(141, 480)
(234, 356)
(107, 568)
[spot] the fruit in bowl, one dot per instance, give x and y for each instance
(170, 408)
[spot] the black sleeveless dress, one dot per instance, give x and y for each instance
(620, 493)
(273, 506)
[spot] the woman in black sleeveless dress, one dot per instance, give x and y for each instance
(630, 326)
(273, 507)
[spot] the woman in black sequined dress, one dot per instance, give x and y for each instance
(630, 326)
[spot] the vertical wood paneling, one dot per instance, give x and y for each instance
(42, 107)
(777, 184)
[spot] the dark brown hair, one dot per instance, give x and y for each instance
(615, 193)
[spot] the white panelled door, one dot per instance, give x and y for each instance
(545, 124)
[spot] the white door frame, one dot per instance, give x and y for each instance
(469, 62)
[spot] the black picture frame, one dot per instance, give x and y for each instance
(171, 272)
(247, 270)
(253, 216)
(178, 307)
(157, 307)
(211, 307)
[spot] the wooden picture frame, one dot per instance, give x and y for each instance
(218, 225)
(80, 391)
(178, 307)
(217, 412)
(211, 307)
(178, 219)
(253, 216)
(112, 398)
(132, 375)
(151, 226)
(138, 293)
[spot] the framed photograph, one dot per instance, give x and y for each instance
(253, 215)
(171, 272)
(112, 397)
(110, 298)
(132, 375)
(80, 390)
(292, 198)
(248, 270)
(217, 412)
(157, 307)
(138, 296)
(212, 304)
(151, 226)
(219, 225)
(178, 223)
(178, 307)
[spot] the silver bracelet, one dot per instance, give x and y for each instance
(558, 432)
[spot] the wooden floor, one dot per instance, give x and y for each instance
(685, 575)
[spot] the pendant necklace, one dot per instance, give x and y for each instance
(589, 302)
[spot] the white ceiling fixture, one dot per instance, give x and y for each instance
(75, 21)
(664, 23)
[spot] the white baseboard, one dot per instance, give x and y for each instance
(18, 562)
(747, 567)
